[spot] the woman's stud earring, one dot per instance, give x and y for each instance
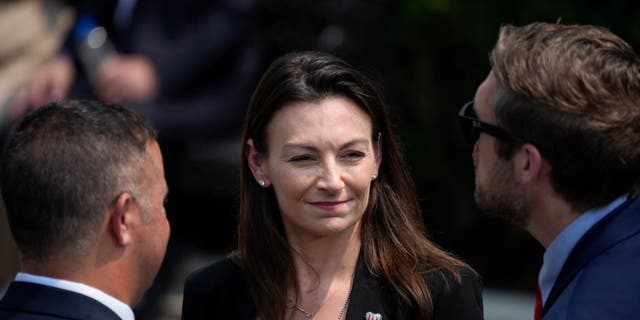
(374, 176)
(261, 182)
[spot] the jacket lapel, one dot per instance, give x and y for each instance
(619, 225)
(366, 294)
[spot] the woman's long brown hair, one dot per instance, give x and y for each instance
(393, 239)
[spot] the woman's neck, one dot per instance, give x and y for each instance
(319, 261)
(325, 268)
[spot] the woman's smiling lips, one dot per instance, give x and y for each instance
(327, 205)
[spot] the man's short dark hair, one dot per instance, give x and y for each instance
(63, 165)
(574, 92)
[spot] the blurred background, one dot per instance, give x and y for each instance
(191, 65)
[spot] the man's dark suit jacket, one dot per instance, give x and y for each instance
(30, 301)
(601, 277)
(220, 291)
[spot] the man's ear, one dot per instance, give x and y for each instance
(121, 214)
(256, 164)
(528, 164)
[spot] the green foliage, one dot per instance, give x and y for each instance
(418, 8)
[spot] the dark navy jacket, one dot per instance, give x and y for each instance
(30, 301)
(601, 277)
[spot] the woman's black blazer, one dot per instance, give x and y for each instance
(220, 291)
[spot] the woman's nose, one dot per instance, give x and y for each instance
(330, 178)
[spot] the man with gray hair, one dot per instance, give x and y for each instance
(83, 183)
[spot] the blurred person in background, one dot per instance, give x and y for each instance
(183, 64)
(556, 134)
(32, 32)
(83, 183)
(329, 225)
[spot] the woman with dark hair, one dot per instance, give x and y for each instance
(329, 224)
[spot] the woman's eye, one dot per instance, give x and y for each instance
(301, 158)
(354, 155)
